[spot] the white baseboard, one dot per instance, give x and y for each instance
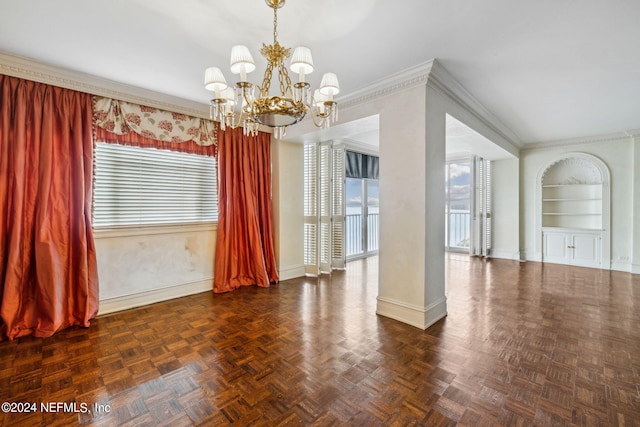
(420, 317)
(291, 272)
(533, 256)
(622, 266)
(635, 268)
(125, 302)
(514, 256)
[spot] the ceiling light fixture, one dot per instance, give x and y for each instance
(240, 106)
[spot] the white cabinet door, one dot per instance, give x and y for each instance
(581, 248)
(586, 250)
(556, 247)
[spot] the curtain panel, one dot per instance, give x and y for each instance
(362, 166)
(48, 270)
(125, 123)
(244, 247)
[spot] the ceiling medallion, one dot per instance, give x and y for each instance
(250, 105)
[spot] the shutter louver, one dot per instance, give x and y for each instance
(338, 254)
(143, 186)
(311, 210)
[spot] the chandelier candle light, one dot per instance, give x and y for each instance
(240, 106)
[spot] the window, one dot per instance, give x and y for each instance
(144, 186)
(457, 221)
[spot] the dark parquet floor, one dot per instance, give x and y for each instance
(523, 344)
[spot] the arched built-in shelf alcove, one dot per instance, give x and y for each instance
(574, 211)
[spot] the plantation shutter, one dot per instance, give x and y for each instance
(311, 193)
(325, 164)
(324, 208)
(338, 253)
(487, 229)
(482, 225)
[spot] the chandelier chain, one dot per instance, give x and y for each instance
(275, 25)
(285, 80)
(266, 81)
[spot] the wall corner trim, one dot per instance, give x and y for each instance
(420, 317)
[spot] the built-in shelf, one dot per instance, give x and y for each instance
(573, 199)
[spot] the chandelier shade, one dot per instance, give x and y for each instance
(301, 61)
(329, 85)
(249, 105)
(241, 60)
(214, 79)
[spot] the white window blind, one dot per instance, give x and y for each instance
(144, 186)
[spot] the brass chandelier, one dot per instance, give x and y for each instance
(240, 106)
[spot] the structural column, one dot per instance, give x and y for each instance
(412, 158)
(635, 260)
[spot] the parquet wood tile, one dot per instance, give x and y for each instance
(523, 344)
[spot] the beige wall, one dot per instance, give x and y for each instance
(288, 207)
(146, 265)
(506, 209)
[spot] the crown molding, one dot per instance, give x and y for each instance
(403, 80)
(442, 81)
(359, 147)
(593, 139)
(28, 69)
(434, 75)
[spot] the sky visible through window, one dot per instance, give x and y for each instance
(458, 180)
(354, 196)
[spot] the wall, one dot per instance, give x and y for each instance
(635, 260)
(505, 209)
(618, 154)
(145, 265)
(288, 207)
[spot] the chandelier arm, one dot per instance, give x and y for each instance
(317, 114)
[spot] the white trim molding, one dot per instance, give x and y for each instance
(403, 80)
(420, 317)
(514, 256)
(570, 142)
(433, 74)
(291, 272)
(126, 302)
(36, 71)
(442, 81)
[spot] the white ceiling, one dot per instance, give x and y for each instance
(548, 69)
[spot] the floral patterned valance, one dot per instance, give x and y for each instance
(122, 117)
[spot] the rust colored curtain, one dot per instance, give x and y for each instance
(48, 271)
(244, 247)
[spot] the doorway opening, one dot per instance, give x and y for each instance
(362, 217)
